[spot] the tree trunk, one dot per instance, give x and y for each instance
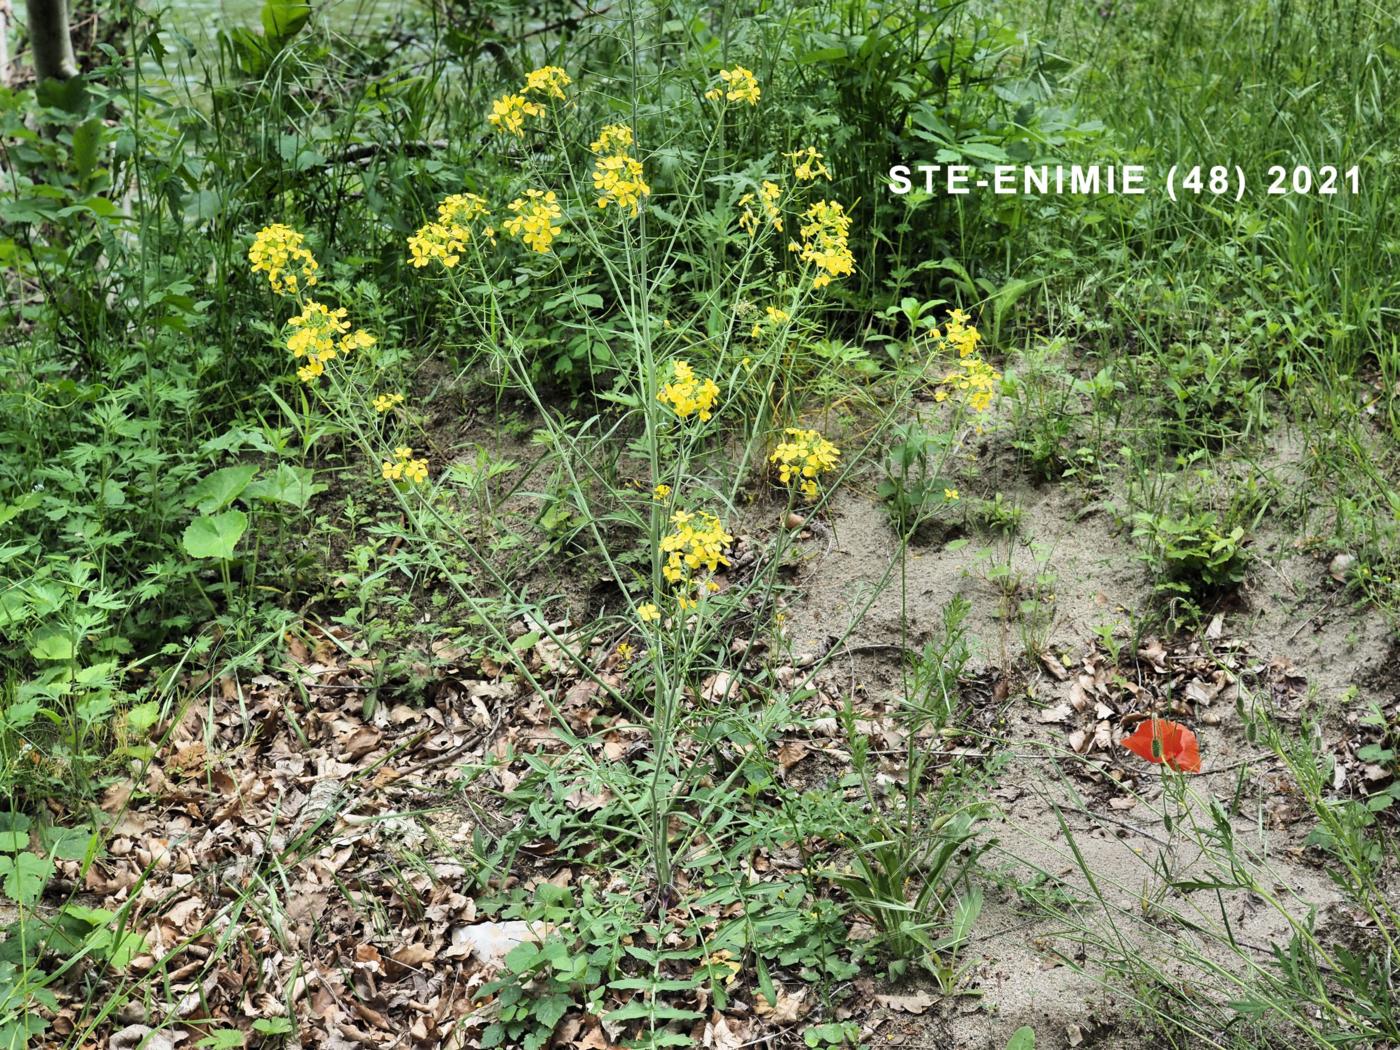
(50, 39)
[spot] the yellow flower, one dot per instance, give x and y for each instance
(825, 242)
(534, 217)
(278, 252)
(773, 317)
(625, 653)
(446, 239)
(647, 612)
(387, 402)
(321, 334)
(803, 457)
(768, 201)
(975, 380)
(740, 85)
(615, 138)
(951, 495)
(547, 80)
(688, 395)
(959, 335)
(618, 180)
(807, 165)
(660, 492)
(695, 545)
(508, 114)
(404, 467)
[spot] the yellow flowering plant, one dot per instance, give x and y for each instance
(688, 394)
(692, 551)
(549, 81)
(404, 466)
(808, 165)
(444, 240)
(387, 402)
(825, 242)
(767, 200)
(617, 175)
(736, 85)
(773, 318)
(974, 381)
(509, 113)
(802, 457)
(280, 252)
(533, 219)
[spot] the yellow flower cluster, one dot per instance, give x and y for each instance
(404, 467)
(509, 112)
(740, 85)
(768, 201)
(320, 334)
(688, 394)
(446, 239)
(547, 80)
(696, 544)
(975, 380)
(958, 334)
(807, 165)
(278, 251)
(387, 402)
(615, 138)
(617, 175)
(803, 457)
(533, 220)
(773, 317)
(647, 612)
(825, 242)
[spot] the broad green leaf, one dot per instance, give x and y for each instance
(223, 1039)
(67, 843)
(13, 841)
(214, 536)
(1022, 1039)
(219, 488)
(283, 19)
(52, 645)
(86, 138)
(143, 716)
(273, 1026)
(12, 821)
(25, 876)
(20, 713)
(288, 484)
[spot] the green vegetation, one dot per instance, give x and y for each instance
(512, 532)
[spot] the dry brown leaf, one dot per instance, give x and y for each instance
(913, 1003)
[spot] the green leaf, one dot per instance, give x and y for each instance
(273, 1026)
(284, 19)
(1022, 1039)
(288, 484)
(12, 821)
(550, 1009)
(219, 488)
(13, 841)
(25, 876)
(223, 1039)
(15, 1035)
(52, 645)
(86, 138)
(143, 716)
(214, 536)
(68, 843)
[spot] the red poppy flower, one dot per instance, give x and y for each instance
(1158, 740)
